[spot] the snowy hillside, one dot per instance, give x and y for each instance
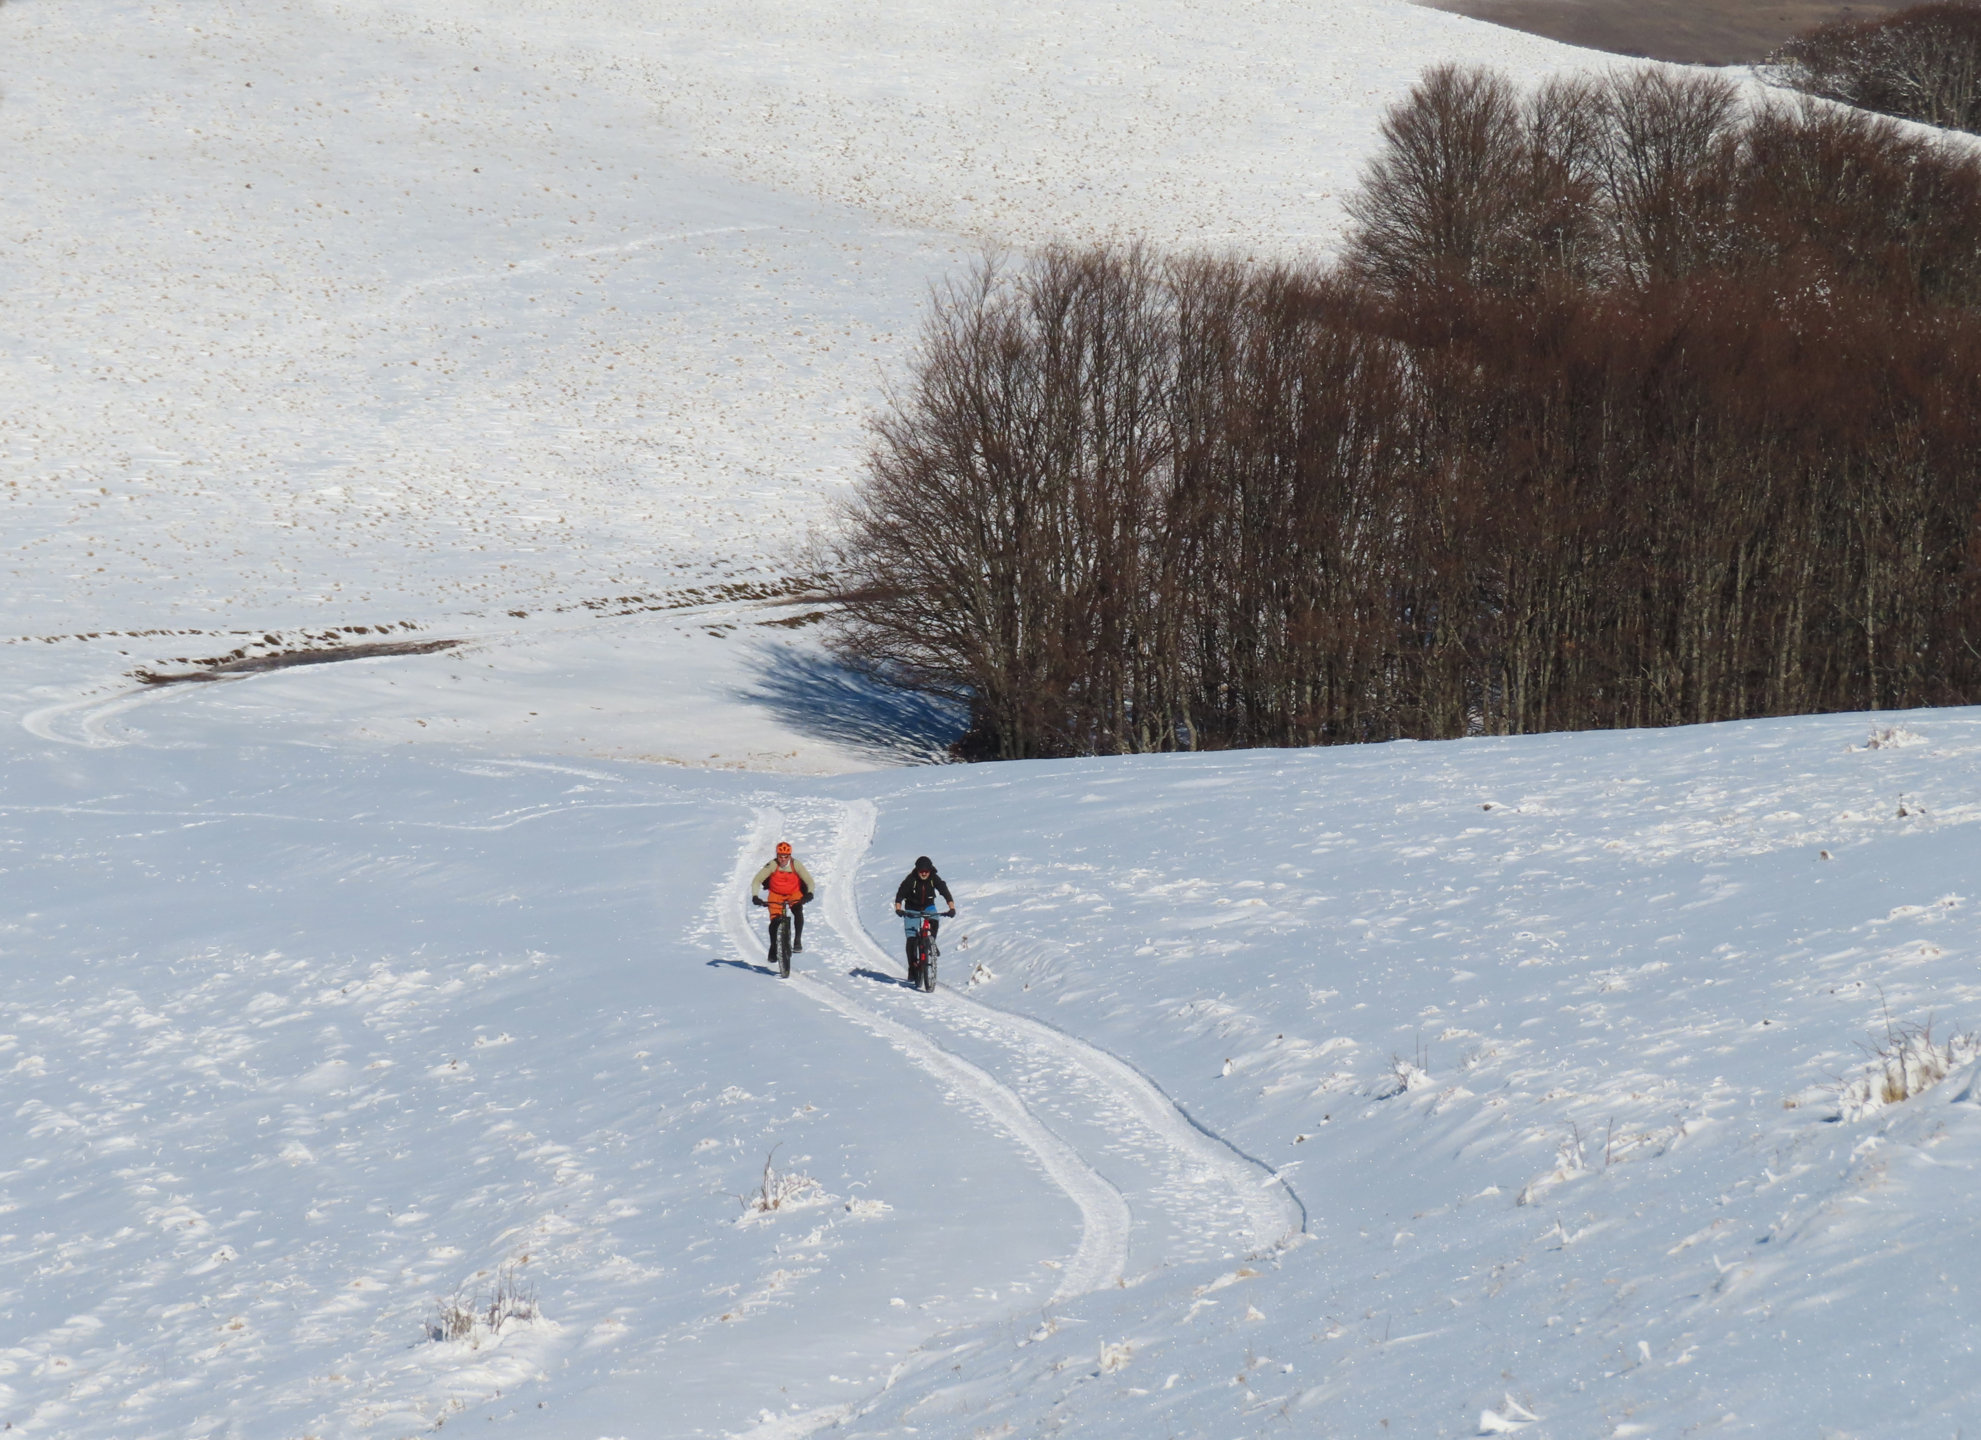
(1437, 1084)
(385, 1043)
(486, 323)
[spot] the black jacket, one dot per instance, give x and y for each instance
(918, 894)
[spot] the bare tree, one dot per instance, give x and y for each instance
(1439, 204)
(1669, 166)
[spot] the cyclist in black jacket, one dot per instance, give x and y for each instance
(917, 894)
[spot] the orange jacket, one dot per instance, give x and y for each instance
(783, 888)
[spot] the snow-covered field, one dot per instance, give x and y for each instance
(1407, 1090)
(1263, 1089)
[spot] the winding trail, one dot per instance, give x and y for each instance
(1151, 1186)
(1197, 1181)
(1104, 1215)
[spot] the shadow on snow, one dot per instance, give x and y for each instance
(815, 694)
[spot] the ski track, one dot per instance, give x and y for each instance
(1101, 1257)
(1270, 1214)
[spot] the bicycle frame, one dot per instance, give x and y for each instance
(780, 938)
(921, 927)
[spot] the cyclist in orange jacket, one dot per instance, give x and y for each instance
(785, 882)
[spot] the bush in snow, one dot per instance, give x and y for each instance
(1115, 1357)
(1406, 1074)
(779, 1190)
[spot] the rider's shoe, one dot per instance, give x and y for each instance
(797, 946)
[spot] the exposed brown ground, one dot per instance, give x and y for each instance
(224, 667)
(1693, 32)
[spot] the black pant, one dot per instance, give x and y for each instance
(797, 914)
(934, 925)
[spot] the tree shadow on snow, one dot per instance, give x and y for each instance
(816, 695)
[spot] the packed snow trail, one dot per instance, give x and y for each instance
(1100, 1128)
(1208, 1187)
(1193, 1189)
(1104, 1215)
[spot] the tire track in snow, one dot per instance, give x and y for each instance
(1214, 1177)
(1102, 1255)
(87, 715)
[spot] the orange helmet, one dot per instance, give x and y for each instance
(783, 848)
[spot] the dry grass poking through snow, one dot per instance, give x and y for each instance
(1907, 1062)
(480, 1315)
(780, 1190)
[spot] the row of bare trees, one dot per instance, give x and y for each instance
(1922, 63)
(1652, 178)
(1625, 407)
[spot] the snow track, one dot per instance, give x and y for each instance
(1104, 1215)
(1150, 1185)
(81, 721)
(1206, 1187)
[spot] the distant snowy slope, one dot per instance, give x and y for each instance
(1235, 125)
(423, 315)
(310, 327)
(1553, 1048)
(311, 330)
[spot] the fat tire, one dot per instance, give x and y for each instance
(780, 944)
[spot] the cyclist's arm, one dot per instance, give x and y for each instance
(804, 877)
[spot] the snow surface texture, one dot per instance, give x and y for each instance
(301, 1046)
(1237, 125)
